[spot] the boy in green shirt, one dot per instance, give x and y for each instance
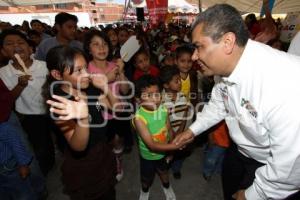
(154, 134)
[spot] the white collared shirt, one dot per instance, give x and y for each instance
(294, 47)
(30, 101)
(260, 102)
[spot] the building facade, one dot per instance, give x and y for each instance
(98, 12)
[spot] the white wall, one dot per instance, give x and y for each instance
(16, 18)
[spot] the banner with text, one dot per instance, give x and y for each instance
(157, 11)
(290, 26)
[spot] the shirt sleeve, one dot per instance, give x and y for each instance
(40, 52)
(6, 102)
(295, 45)
(211, 114)
(279, 178)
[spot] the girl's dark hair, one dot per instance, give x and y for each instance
(87, 41)
(167, 73)
(145, 82)
(60, 58)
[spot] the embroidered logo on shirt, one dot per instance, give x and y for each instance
(246, 104)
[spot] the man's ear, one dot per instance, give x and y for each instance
(30, 50)
(57, 27)
(229, 40)
(56, 74)
(3, 52)
(175, 61)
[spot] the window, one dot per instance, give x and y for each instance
(78, 5)
(46, 6)
(61, 6)
(102, 17)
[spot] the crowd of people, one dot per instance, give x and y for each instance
(67, 89)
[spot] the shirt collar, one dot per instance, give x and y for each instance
(238, 74)
(31, 68)
(165, 95)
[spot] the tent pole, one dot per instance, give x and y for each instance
(200, 6)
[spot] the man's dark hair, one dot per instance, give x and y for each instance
(63, 17)
(35, 21)
(144, 82)
(184, 49)
(123, 28)
(33, 32)
(167, 73)
(8, 32)
(220, 19)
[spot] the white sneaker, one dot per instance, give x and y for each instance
(120, 171)
(170, 195)
(144, 195)
(119, 175)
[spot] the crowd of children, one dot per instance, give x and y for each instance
(80, 74)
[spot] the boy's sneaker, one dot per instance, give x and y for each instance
(177, 175)
(144, 195)
(120, 171)
(206, 177)
(170, 195)
(127, 149)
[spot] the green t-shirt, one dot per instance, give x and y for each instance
(156, 122)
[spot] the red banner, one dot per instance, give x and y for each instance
(158, 10)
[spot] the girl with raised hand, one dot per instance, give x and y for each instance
(88, 170)
(99, 47)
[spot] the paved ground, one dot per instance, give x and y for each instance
(190, 187)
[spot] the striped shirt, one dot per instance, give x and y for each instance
(12, 146)
(178, 109)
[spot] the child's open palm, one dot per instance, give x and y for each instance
(68, 109)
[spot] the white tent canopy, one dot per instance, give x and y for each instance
(174, 6)
(181, 6)
(280, 6)
(33, 2)
(48, 18)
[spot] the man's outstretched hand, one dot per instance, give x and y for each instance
(184, 138)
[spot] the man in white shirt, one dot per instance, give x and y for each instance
(295, 45)
(258, 95)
